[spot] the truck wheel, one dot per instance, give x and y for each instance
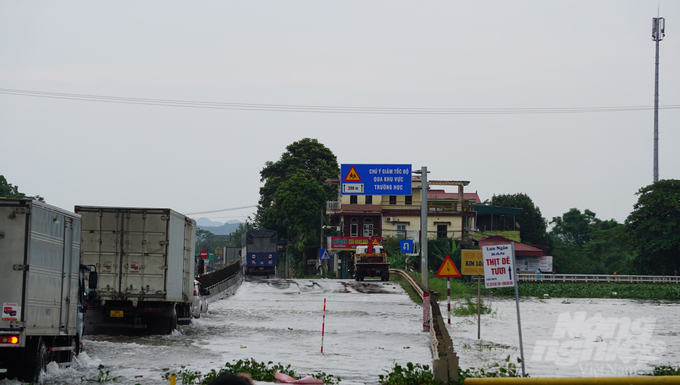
(42, 358)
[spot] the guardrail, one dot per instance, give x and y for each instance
(444, 358)
(597, 278)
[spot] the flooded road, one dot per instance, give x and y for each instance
(368, 327)
(371, 325)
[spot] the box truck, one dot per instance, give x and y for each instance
(142, 269)
(41, 287)
(258, 256)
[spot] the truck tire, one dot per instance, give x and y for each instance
(385, 275)
(41, 359)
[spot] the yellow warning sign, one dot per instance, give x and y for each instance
(352, 176)
(472, 262)
(448, 269)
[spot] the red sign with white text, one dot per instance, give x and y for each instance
(350, 243)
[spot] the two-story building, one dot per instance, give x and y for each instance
(359, 217)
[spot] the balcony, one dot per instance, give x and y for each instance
(449, 207)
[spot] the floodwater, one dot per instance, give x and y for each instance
(572, 337)
(368, 327)
(371, 325)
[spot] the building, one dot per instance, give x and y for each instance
(360, 217)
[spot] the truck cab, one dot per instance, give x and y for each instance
(371, 263)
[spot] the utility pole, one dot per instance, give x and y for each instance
(423, 226)
(658, 33)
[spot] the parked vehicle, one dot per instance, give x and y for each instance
(258, 256)
(142, 262)
(199, 304)
(371, 263)
(41, 287)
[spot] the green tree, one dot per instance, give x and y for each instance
(240, 230)
(294, 193)
(532, 225)
(7, 190)
(584, 244)
(206, 240)
(305, 155)
(653, 228)
(298, 201)
(574, 227)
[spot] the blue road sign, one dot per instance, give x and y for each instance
(375, 179)
(323, 255)
(406, 246)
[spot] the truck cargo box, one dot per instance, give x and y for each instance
(40, 286)
(140, 254)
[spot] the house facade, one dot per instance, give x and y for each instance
(450, 215)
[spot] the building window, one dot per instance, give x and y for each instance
(369, 199)
(354, 228)
(393, 199)
(441, 231)
(368, 227)
(353, 199)
(401, 231)
(408, 200)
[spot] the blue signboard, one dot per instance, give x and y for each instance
(375, 179)
(323, 255)
(406, 246)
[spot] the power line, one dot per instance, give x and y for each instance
(325, 109)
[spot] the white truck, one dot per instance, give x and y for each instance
(41, 287)
(142, 269)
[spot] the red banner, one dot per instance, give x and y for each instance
(349, 243)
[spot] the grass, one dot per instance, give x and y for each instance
(467, 307)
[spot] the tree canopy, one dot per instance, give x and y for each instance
(584, 244)
(7, 190)
(532, 225)
(295, 192)
(653, 228)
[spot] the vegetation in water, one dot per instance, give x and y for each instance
(412, 374)
(505, 368)
(416, 374)
(666, 370)
(259, 371)
(467, 307)
(103, 376)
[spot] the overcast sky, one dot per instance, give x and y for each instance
(475, 57)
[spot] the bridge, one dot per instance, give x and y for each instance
(597, 278)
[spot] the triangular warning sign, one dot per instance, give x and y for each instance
(448, 269)
(352, 176)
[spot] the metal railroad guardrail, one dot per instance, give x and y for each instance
(597, 278)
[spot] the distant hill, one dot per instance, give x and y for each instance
(217, 228)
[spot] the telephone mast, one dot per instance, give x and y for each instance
(658, 33)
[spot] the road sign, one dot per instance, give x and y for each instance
(448, 269)
(204, 254)
(472, 262)
(499, 266)
(406, 246)
(323, 255)
(375, 179)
